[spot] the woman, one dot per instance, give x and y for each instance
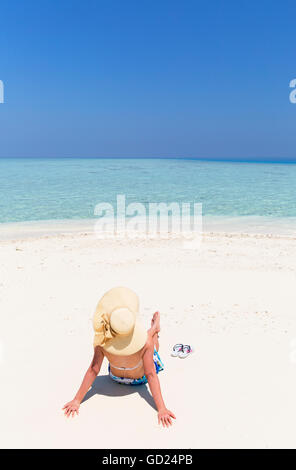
(132, 351)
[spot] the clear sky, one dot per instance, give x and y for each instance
(131, 78)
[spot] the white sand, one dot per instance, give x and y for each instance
(234, 301)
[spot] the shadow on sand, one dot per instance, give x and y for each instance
(103, 385)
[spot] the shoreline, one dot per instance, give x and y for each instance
(246, 226)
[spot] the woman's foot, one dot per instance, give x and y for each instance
(155, 329)
(155, 323)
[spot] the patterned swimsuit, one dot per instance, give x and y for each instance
(142, 380)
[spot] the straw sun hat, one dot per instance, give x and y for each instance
(115, 322)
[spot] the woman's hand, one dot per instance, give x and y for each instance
(165, 417)
(71, 408)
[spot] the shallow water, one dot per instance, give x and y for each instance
(254, 196)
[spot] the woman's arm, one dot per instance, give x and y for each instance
(164, 415)
(73, 406)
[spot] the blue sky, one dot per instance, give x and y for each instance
(151, 78)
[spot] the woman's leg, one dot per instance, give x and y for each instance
(155, 329)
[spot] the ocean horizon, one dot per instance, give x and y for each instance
(276, 160)
(239, 196)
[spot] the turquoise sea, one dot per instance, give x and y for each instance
(235, 195)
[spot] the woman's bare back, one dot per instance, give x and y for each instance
(134, 362)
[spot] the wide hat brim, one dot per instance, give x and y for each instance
(128, 344)
(121, 345)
